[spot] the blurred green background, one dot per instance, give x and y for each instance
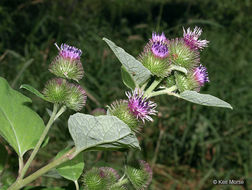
(189, 145)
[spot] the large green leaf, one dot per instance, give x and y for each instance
(102, 132)
(19, 125)
(71, 169)
(204, 99)
(127, 79)
(135, 68)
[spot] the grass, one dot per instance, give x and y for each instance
(199, 143)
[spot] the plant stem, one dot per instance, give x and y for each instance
(22, 182)
(42, 137)
(152, 86)
(165, 91)
(76, 185)
(120, 183)
(21, 164)
(62, 110)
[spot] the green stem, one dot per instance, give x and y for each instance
(165, 91)
(120, 183)
(21, 164)
(22, 182)
(42, 137)
(62, 110)
(154, 84)
(76, 185)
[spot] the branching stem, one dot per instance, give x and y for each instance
(152, 87)
(42, 137)
(22, 182)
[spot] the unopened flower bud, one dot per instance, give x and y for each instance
(76, 98)
(100, 178)
(182, 55)
(67, 64)
(140, 178)
(92, 180)
(56, 90)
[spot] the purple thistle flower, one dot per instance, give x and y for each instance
(69, 52)
(200, 74)
(191, 38)
(140, 106)
(159, 45)
(156, 37)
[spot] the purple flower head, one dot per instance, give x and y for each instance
(201, 75)
(191, 38)
(158, 38)
(69, 52)
(159, 45)
(140, 106)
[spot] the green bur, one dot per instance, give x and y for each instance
(99, 179)
(157, 66)
(138, 177)
(67, 68)
(186, 82)
(56, 90)
(182, 55)
(120, 110)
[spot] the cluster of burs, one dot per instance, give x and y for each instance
(67, 67)
(177, 60)
(175, 64)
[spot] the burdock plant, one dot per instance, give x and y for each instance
(165, 67)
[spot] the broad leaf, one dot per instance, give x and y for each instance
(53, 173)
(71, 169)
(135, 68)
(33, 90)
(127, 79)
(204, 99)
(101, 132)
(19, 125)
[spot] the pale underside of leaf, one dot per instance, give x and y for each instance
(139, 73)
(103, 132)
(204, 99)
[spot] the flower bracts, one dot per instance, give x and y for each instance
(161, 54)
(66, 65)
